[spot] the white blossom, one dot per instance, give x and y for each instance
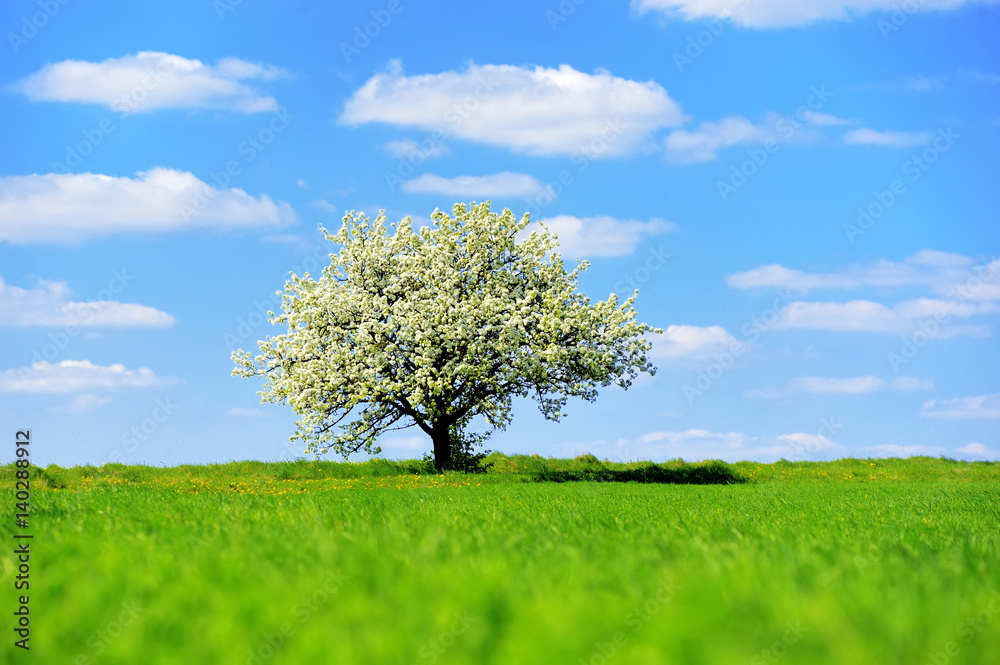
(436, 326)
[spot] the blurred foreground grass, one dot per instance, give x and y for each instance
(854, 561)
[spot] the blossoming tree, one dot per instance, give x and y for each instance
(431, 328)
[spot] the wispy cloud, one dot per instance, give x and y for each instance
(896, 450)
(887, 139)
(869, 316)
(240, 412)
(701, 444)
(924, 83)
(978, 450)
(87, 402)
(703, 143)
(964, 408)
(533, 110)
(408, 148)
(585, 237)
(690, 343)
(325, 206)
(65, 208)
(50, 305)
(481, 187)
(404, 447)
(969, 290)
(941, 271)
(151, 80)
(825, 119)
(781, 13)
(71, 376)
(851, 385)
(858, 385)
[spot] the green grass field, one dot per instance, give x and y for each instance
(848, 562)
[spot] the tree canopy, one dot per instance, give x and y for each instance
(436, 326)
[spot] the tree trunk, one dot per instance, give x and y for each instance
(441, 436)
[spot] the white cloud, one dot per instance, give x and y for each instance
(694, 343)
(239, 412)
(859, 385)
(477, 187)
(152, 80)
(825, 119)
(941, 271)
(50, 305)
(912, 383)
(971, 289)
(87, 402)
(856, 385)
(404, 447)
(895, 450)
(533, 110)
(924, 83)
(702, 143)
(781, 13)
(868, 316)
(808, 442)
(325, 206)
(700, 444)
(980, 451)
(71, 376)
(408, 148)
(64, 208)
(964, 408)
(599, 236)
(284, 239)
(765, 393)
(852, 385)
(866, 136)
(731, 440)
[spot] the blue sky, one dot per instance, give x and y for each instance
(804, 194)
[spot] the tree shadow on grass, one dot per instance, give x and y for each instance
(709, 473)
